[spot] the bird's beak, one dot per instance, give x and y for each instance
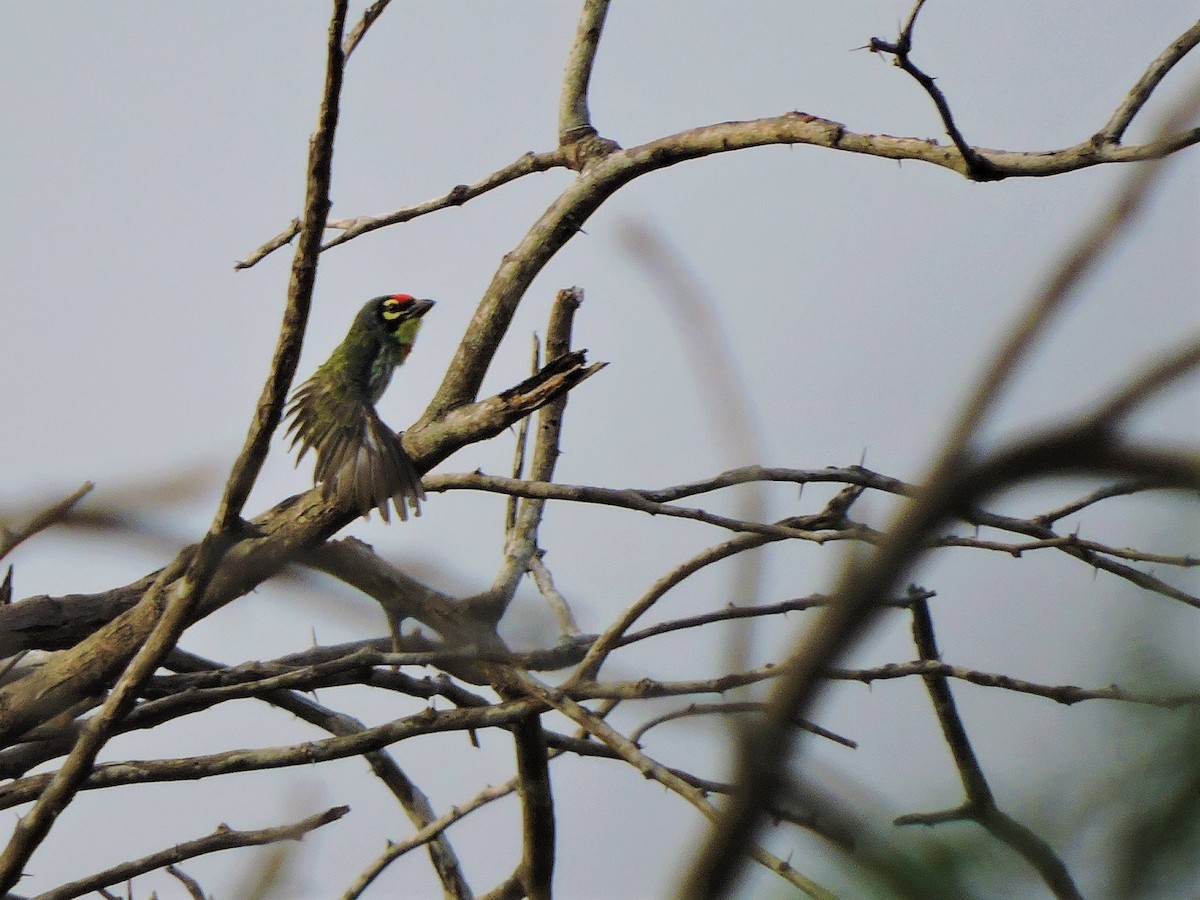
(420, 307)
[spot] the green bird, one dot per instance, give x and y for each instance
(333, 413)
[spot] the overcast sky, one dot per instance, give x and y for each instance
(146, 147)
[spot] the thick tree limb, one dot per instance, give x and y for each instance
(286, 531)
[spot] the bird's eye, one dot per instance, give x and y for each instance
(393, 307)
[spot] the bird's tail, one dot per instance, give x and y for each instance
(357, 454)
(376, 472)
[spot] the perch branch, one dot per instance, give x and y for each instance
(285, 532)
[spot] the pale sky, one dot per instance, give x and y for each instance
(147, 147)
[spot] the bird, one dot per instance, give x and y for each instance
(333, 413)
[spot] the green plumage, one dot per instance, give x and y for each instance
(333, 413)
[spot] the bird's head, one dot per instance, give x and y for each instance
(396, 316)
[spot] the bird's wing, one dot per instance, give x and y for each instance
(357, 453)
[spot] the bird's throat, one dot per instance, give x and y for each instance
(406, 334)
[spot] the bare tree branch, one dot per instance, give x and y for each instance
(533, 764)
(950, 486)
(649, 768)
(191, 885)
(423, 836)
(977, 167)
(118, 639)
(224, 838)
(233, 761)
(724, 709)
(1114, 129)
(792, 128)
(300, 285)
(524, 165)
(197, 570)
(574, 120)
(282, 239)
(626, 498)
(981, 803)
(286, 531)
(10, 539)
(355, 35)
(567, 215)
(521, 545)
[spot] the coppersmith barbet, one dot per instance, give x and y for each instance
(333, 413)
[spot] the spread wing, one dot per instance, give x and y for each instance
(357, 454)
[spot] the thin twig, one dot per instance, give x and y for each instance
(412, 800)
(1114, 129)
(610, 639)
(1058, 542)
(978, 168)
(424, 835)
(974, 782)
(521, 447)
(649, 768)
(831, 518)
(527, 164)
(980, 804)
(10, 539)
(282, 239)
(725, 709)
(1120, 489)
(799, 604)
(191, 885)
(625, 498)
(224, 838)
(544, 580)
(355, 35)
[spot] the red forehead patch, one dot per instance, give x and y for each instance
(402, 298)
